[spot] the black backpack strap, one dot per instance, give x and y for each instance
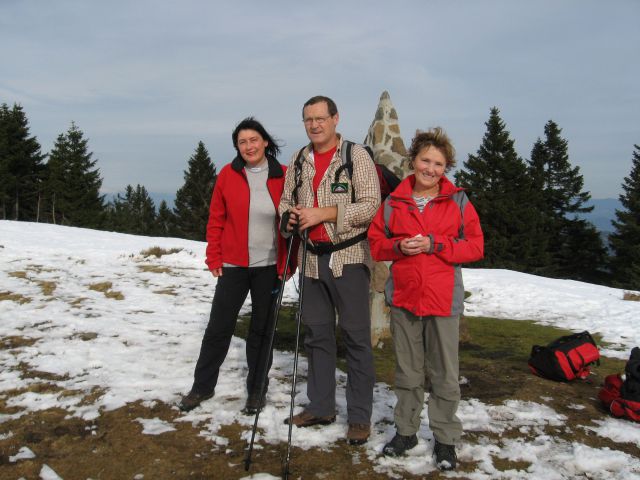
(297, 175)
(346, 155)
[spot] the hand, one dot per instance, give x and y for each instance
(310, 217)
(216, 272)
(292, 224)
(415, 245)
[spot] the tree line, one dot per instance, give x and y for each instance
(65, 190)
(530, 209)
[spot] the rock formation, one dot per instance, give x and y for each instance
(384, 137)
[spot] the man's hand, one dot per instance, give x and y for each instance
(310, 217)
(415, 245)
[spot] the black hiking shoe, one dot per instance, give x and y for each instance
(445, 456)
(253, 404)
(399, 445)
(192, 400)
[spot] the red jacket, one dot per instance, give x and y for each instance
(427, 284)
(228, 226)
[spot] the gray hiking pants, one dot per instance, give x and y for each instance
(426, 346)
(349, 296)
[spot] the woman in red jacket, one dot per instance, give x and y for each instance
(246, 253)
(427, 227)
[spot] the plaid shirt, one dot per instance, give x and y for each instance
(352, 218)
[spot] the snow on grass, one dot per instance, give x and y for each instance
(106, 351)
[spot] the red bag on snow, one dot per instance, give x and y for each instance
(566, 358)
(622, 398)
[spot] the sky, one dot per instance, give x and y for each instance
(146, 81)
(157, 324)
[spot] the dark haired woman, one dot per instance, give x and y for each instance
(427, 227)
(246, 253)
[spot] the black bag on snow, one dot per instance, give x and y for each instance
(566, 358)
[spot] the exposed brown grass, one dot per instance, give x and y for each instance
(634, 297)
(14, 297)
(105, 287)
(18, 274)
(159, 252)
(154, 269)
(166, 291)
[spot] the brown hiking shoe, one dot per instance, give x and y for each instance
(306, 419)
(192, 400)
(358, 433)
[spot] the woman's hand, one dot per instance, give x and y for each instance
(415, 245)
(217, 272)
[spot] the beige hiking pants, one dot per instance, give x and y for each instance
(426, 346)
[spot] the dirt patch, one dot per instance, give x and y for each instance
(114, 447)
(633, 297)
(18, 274)
(154, 269)
(166, 291)
(105, 288)
(159, 252)
(14, 297)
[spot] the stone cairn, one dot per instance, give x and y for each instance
(388, 150)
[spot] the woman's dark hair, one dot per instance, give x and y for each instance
(250, 123)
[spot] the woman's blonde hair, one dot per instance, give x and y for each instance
(434, 137)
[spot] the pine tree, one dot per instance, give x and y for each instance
(134, 212)
(575, 247)
(21, 167)
(498, 184)
(73, 183)
(193, 198)
(165, 221)
(625, 240)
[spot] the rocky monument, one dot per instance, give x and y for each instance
(389, 150)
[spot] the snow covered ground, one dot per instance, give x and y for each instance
(138, 339)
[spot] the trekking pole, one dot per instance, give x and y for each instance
(305, 236)
(263, 379)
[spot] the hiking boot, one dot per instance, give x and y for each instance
(399, 445)
(306, 419)
(192, 400)
(254, 403)
(358, 433)
(445, 456)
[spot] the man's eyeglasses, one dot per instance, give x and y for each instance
(318, 120)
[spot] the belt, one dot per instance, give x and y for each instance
(323, 248)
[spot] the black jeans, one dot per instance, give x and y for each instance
(231, 291)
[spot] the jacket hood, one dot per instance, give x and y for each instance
(275, 168)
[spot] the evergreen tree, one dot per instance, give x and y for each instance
(21, 167)
(165, 221)
(500, 188)
(73, 183)
(193, 198)
(625, 240)
(134, 212)
(574, 245)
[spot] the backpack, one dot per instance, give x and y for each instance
(566, 358)
(622, 396)
(386, 178)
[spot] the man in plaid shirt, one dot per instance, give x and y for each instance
(336, 212)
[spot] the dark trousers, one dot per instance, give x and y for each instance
(231, 291)
(349, 296)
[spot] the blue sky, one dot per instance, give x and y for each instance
(147, 80)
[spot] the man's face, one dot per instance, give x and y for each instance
(320, 126)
